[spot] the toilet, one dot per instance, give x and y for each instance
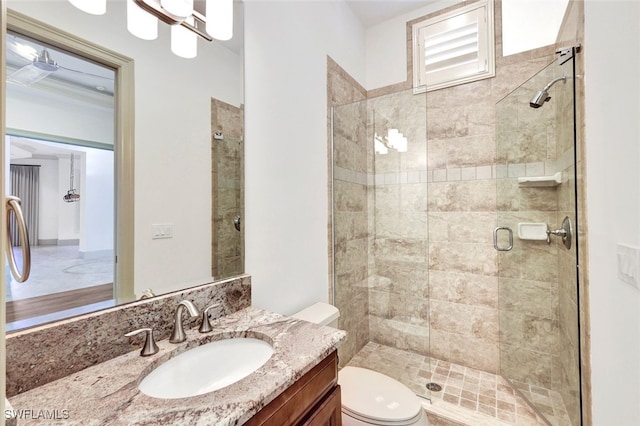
(368, 397)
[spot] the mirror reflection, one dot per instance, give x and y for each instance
(62, 126)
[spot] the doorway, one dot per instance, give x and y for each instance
(61, 131)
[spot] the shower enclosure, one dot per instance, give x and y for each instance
(538, 280)
(381, 235)
(419, 183)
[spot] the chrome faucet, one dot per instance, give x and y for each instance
(178, 331)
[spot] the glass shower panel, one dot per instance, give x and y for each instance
(380, 235)
(538, 296)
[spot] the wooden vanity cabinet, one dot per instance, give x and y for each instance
(313, 400)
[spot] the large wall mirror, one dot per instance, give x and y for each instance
(128, 158)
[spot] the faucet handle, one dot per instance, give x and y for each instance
(205, 326)
(150, 347)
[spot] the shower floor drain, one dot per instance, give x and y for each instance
(434, 387)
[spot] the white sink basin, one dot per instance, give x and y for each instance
(206, 368)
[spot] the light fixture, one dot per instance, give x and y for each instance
(140, 23)
(184, 43)
(394, 139)
(379, 145)
(94, 7)
(187, 22)
(220, 19)
(179, 8)
(41, 66)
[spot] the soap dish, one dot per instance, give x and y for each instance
(532, 231)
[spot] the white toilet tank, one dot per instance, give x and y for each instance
(320, 313)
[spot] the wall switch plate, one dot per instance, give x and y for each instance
(628, 260)
(161, 230)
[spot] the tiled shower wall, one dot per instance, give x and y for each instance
(450, 229)
(350, 215)
(226, 184)
(461, 179)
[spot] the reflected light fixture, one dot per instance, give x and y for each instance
(140, 23)
(220, 21)
(184, 43)
(394, 139)
(187, 21)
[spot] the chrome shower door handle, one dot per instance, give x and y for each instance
(13, 204)
(236, 222)
(495, 238)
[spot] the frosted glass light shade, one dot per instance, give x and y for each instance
(94, 7)
(141, 23)
(184, 42)
(220, 19)
(180, 8)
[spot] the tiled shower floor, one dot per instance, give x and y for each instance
(468, 396)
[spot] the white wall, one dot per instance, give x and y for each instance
(387, 47)
(286, 178)
(529, 24)
(96, 228)
(53, 115)
(612, 57)
(172, 152)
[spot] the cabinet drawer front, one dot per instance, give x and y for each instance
(328, 412)
(295, 403)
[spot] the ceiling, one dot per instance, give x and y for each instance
(70, 69)
(372, 12)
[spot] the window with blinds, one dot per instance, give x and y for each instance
(454, 48)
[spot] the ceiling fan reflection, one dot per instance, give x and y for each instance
(40, 64)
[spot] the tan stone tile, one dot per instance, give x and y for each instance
(471, 289)
(469, 404)
(469, 258)
(479, 195)
(474, 352)
(486, 409)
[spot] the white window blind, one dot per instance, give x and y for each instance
(454, 48)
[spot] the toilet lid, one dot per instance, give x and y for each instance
(377, 397)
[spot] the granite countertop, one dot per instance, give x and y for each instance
(107, 393)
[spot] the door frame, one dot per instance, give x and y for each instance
(124, 136)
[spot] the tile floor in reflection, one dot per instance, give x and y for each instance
(468, 396)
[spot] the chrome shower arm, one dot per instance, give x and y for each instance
(554, 81)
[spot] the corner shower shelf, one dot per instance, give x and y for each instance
(540, 181)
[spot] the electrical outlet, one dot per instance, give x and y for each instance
(628, 260)
(162, 230)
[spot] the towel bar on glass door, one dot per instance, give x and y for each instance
(13, 204)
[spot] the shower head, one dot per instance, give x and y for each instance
(539, 99)
(543, 95)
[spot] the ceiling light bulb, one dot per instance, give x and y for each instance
(141, 23)
(179, 8)
(184, 42)
(220, 19)
(94, 7)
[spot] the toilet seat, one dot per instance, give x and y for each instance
(375, 398)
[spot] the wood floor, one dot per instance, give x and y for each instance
(42, 305)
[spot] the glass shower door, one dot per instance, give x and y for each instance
(538, 288)
(381, 236)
